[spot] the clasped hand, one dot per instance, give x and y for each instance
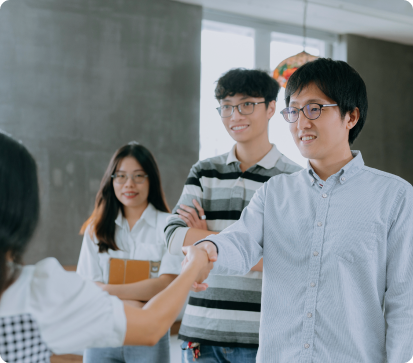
(204, 253)
(191, 217)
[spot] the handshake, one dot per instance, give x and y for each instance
(202, 257)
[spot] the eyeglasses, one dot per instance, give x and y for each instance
(312, 111)
(122, 178)
(246, 108)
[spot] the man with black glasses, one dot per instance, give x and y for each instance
(221, 324)
(336, 237)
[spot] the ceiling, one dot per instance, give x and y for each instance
(390, 20)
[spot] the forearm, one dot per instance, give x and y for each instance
(147, 326)
(194, 235)
(237, 252)
(142, 290)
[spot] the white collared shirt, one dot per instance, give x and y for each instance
(47, 308)
(146, 241)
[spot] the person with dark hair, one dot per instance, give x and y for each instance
(336, 237)
(128, 223)
(221, 324)
(45, 309)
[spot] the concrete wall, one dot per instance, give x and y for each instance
(80, 78)
(387, 68)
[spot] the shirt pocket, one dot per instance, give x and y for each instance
(354, 240)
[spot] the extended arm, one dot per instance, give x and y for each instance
(198, 228)
(399, 292)
(146, 326)
(240, 245)
(142, 290)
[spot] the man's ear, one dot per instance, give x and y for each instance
(352, 118)
(271, 109)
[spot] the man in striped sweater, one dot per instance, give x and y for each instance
(222, 322)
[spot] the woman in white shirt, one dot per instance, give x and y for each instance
(128, 223)
(45, 309)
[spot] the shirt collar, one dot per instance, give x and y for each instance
(345, 173)
(119, 219)
(148, 215)
(231, 156)
(267, 162)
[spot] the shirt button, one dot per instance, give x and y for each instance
(315, 253)
(319, 224)
(343, 178)
(324, 195)
(309, 315)
(312, 284)
(306, 346)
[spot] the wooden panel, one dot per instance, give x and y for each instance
(67, 358)
(116, 271)
(136, 271)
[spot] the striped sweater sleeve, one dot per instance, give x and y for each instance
(192, 190)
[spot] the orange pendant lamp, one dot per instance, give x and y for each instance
(288, 66)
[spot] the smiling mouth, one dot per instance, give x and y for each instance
(237, 128)
(307, 138)
(130, 194)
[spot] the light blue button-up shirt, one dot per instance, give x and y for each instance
(338, 265)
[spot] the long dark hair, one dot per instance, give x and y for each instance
(107, 206)
(19, 206)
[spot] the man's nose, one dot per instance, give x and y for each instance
(236, 115)
(303, 122)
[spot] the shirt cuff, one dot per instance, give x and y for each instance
(177, 241)
(207, 240)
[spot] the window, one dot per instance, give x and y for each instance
(225, 46)
(282, 47)
(222, 47)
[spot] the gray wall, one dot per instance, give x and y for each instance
(80, 78)
(387, 138)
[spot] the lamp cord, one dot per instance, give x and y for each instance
(304, 24)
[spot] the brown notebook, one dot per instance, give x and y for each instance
(124, 271)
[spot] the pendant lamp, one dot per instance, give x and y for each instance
(288, 66)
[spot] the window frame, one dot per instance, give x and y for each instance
(264, 31)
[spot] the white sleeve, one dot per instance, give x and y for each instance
(176, 241)
(73, 313)
(88, 264)
(170, 264)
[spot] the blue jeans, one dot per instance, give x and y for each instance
(159, 353)
(214, 354)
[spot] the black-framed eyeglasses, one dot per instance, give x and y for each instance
(122, 178)
(312, 111)
(245, 108)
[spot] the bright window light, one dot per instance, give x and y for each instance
(279, 132)
(222, 47)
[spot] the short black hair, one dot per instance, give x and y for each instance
(19, 205)
(249, 82)
(338, 81)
